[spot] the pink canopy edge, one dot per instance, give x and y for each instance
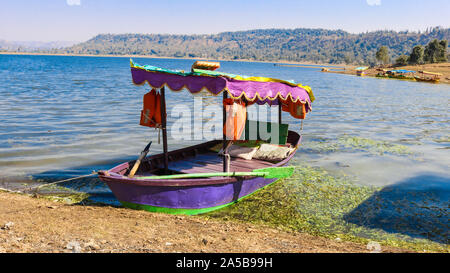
(262, 92)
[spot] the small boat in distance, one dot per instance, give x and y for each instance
(360, 71)
(400, 74)
(218, 173)
(430, 77)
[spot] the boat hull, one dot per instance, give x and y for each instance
(189, 196)
(189, 200)
(427, 80)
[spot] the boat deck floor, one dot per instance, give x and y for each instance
(212, 162)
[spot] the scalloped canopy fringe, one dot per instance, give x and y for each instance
(259, 89)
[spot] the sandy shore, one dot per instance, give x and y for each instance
(443, 68)
(38, 225)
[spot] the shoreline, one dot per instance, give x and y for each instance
(283, 62)
(443, 68)
(31, 224)
(333, 68)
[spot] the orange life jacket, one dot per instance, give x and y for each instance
(151, 114)
(285, 105)
(297, 109)
(236, 116)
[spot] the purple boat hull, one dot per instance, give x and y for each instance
(191, 197)
(188, 196)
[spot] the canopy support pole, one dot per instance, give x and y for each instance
(279, 111)
(164, 129)
(224, 139)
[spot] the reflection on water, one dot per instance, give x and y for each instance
(59, 113)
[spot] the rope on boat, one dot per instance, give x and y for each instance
(61, 181)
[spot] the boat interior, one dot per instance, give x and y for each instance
(201, 159)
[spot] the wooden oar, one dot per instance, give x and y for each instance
(275, 172)
(138, 161)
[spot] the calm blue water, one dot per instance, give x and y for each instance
(66, 116)
(60, 113)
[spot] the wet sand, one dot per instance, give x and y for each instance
(30, 224)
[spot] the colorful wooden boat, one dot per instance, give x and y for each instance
(361, 71)
(199, 195)
(419, 79)
(430, 77)
(399, 74)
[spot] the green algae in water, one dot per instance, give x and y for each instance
(317, 203)
(373, 146)
(354, 143)
(320, 146)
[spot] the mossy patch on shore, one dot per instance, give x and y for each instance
(60, 194)
(42, 188)
(318, 203)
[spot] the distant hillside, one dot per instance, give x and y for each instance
(28, 46)
(301, 45)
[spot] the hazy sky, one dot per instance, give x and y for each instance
(79, 20)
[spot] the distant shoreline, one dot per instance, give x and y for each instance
(443, 68)
(283, 62)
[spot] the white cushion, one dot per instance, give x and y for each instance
(242, 152)
(272, 152)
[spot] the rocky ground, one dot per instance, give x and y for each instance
(38, 225)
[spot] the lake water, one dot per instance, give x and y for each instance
(66, 116)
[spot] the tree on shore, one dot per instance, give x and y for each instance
(436, 51)
(402, 60)
(382, 55)
(417, 54)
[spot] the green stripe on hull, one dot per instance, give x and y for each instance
(181, 210)
(173, 210)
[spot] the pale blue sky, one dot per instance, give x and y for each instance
(51, 20)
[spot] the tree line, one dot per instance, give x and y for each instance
(434, 52)
(300, 45)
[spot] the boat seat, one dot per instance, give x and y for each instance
(212, 162)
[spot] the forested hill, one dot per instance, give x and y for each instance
(302, 45)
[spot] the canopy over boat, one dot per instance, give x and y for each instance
(254, 89)
(361, 68)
